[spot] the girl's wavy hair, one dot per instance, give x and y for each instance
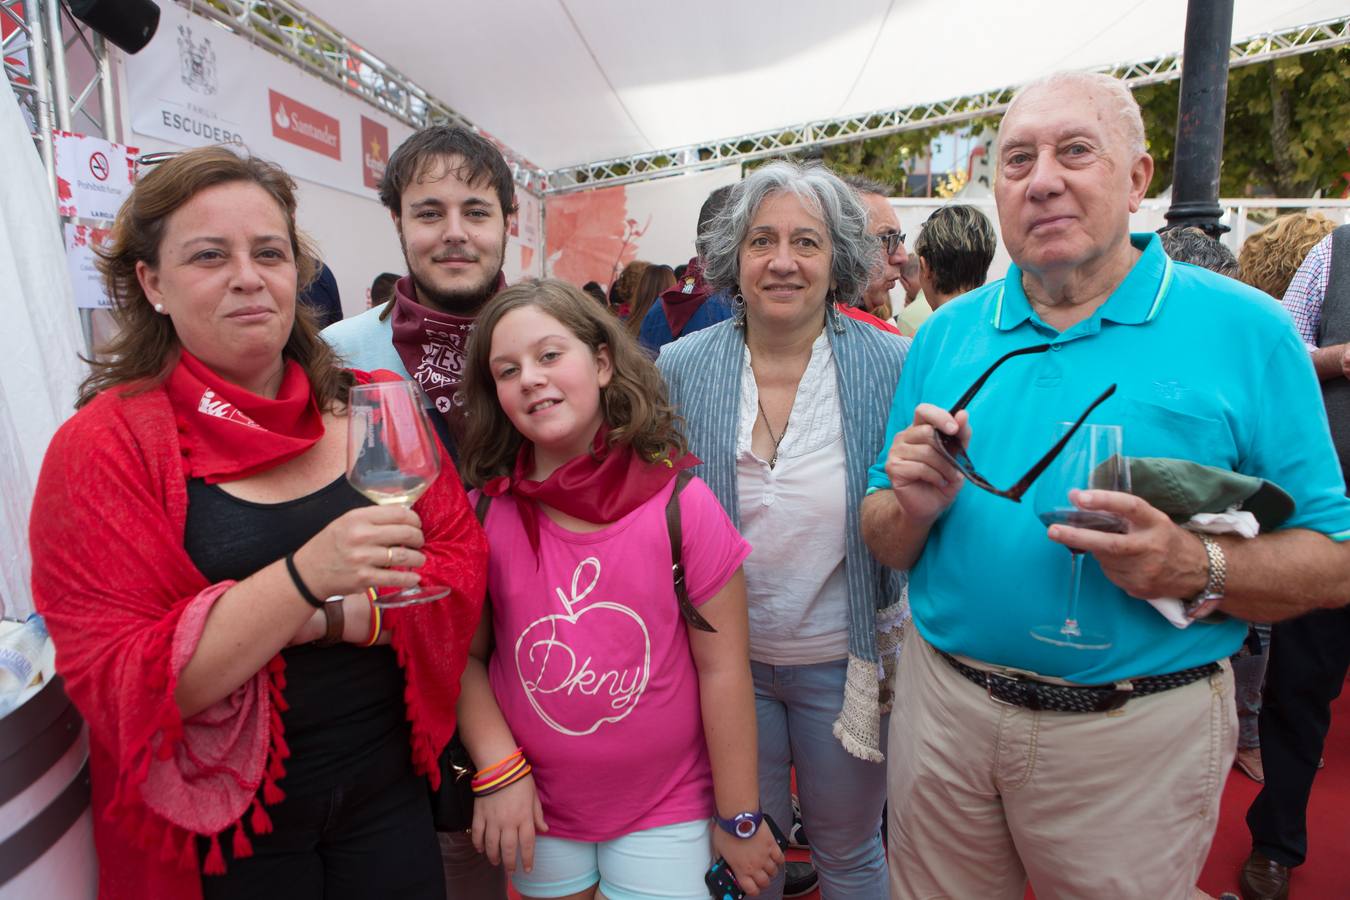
(145, 347)
(856, 252)
(1269, 259)
(634, 404)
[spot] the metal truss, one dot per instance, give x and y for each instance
(25, 61)
(289, 31)
(45, 39)
(35, 66)
(73, 106)
(811, 135)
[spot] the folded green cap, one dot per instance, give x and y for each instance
(1181, 489)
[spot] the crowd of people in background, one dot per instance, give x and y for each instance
(731, 547)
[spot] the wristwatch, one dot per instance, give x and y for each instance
(1211, 595)
(743, 825)
(332, 613)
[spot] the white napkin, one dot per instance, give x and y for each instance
(1234, 521)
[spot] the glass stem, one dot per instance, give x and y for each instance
(1071, 628)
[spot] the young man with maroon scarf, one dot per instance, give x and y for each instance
(450, 195)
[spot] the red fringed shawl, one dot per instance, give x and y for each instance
(126, 607)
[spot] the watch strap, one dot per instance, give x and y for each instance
(742, 825)
(1211, 595)
(333, 616)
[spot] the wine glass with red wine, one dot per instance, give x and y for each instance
(1092, 460)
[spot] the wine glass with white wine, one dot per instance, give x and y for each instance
(392, 458)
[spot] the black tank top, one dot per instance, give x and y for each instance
(346, 702)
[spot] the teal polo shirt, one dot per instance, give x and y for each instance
(1208, 370)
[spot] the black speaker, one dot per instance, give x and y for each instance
(130, 24)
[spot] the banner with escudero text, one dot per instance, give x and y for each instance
(196, 84)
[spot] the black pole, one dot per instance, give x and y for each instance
(1200, 114)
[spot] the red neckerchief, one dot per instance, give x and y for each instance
(432, 344)
(228, 432)
(684, 299)
(601, 486)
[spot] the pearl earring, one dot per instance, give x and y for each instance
(159, 308)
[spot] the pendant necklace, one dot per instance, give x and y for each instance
(773, 460)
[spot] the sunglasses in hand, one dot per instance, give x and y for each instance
(952, 449)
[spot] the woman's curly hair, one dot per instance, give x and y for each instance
(1270, 257)
(856, 252)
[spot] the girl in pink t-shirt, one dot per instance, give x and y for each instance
(601, 714)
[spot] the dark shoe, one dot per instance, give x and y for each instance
(801, 879)
(1263, 879)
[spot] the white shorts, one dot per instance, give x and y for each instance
(668, 863)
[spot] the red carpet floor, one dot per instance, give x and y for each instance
(1326, 875)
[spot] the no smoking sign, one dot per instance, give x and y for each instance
(98, 166)
(93, 176)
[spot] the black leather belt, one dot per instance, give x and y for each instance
(1019, 690)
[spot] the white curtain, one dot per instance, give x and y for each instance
(40, 343)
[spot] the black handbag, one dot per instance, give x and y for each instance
(452, 802)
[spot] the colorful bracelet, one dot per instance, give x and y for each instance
(487, 773)
(515, 776)
(375, 618)
(487, 779)
(500, 780)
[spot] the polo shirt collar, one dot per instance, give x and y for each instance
(1136, 300)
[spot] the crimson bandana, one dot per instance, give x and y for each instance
(432, 345)
(228, 432)
(684, 298)
(601, 486)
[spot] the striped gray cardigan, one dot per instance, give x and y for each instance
(703, 372)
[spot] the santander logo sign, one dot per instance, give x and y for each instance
(304, 126)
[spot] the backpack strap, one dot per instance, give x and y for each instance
(687, 609)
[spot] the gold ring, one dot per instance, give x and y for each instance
(389, 561)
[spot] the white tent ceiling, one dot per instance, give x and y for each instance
(565, 82)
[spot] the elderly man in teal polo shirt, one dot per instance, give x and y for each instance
(1092, 772)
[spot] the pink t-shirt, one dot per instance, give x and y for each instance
(592, 667)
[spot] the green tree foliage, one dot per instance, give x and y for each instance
(891, 159)
(1287, 132)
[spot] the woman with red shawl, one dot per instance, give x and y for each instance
(247, 738)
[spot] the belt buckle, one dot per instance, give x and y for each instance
(989, 677)
(1123, 691)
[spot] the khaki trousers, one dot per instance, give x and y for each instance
(1114, 805)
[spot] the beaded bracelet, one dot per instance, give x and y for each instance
(515, 776)
(375, 619)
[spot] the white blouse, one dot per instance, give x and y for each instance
(793, 517)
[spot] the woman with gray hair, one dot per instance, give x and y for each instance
(786, 405)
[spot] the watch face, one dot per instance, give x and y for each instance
(742, 825)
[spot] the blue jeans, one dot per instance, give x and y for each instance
(1249, 678)
(841, 795)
